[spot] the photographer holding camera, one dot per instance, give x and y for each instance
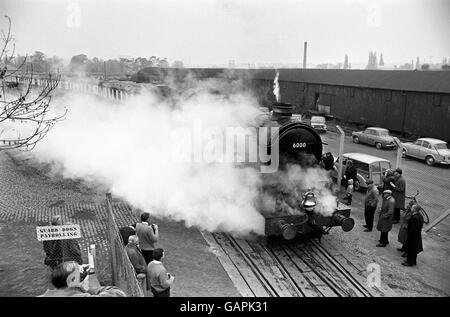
(148, 236)
(70, 279)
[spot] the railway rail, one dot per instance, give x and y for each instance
(289, 269)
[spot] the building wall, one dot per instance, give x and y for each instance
(415, 113)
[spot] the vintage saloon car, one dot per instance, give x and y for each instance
(374, 136)
(367, 167)
(318, 123)
(428, 149)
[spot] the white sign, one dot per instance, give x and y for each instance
(58, 232)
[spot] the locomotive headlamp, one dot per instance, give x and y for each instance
(309, 201)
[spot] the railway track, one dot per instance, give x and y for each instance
(288, 269)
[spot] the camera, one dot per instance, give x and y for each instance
(84, 273)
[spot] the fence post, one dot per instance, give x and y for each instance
(111, 237)
(92, 257)
(398, 162)
(341, 152)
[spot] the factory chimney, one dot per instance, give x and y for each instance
(305, 50)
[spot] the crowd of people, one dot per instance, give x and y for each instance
(393, 202)
(70, 278)
(140, 240)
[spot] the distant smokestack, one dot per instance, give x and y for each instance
(305, 52)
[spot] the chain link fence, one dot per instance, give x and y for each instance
(122, 271)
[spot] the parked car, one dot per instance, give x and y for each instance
(428, 149)
(296, 117)
(367, 167)
(379, 137)
(318, 123)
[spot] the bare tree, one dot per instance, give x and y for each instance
(24, 113)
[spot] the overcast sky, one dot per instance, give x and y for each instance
(247, 31)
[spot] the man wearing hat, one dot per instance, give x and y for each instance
(398, 191)
(370, 204)
(386, 215)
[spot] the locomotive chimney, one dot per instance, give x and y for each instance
(281, 111)
(305, 51)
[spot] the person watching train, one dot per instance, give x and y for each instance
(159, 280)
(135, 255)
(384, 224)
(398, 192)
(414, 236)
(370, 205)
(350, 173)
(148, 235)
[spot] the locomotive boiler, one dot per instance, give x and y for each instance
(293, 211)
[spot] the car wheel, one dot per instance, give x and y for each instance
(357, 186)
(355, 139)
(429, 160)
(378, 145)
(404, 153)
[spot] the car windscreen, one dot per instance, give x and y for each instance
(441, 146)
(361, 167)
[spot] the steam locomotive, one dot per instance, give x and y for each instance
(295, 214)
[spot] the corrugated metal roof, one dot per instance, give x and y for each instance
(421, 81)
(433, 81)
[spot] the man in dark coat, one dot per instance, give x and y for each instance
(135, 255)
(414, 237)
(387, 179)
(126, 232)
(59, 251)
(385, 220)
(398, 191)
(328, 161)
(350, 173)
(403, 231)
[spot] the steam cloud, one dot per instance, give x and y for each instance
(128, 147)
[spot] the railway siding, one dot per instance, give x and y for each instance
(291, 269)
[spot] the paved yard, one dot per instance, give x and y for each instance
(29, 197)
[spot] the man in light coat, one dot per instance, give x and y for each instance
(386, 216)
(148, 237)
(370, 204)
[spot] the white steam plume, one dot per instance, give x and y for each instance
(128, 148)
(276, 88)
